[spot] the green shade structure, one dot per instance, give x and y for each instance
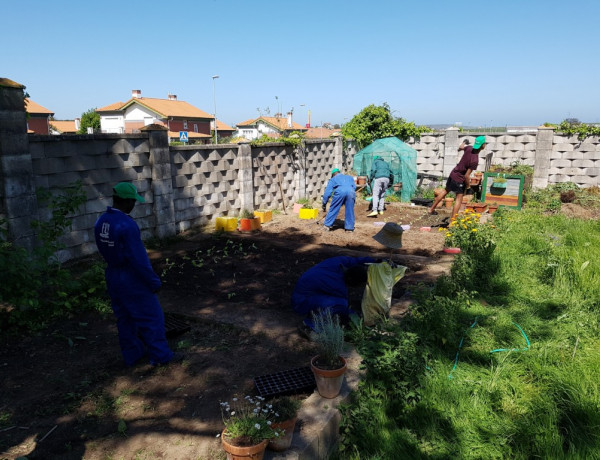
(401, 157)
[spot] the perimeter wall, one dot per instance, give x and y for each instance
(189, 186)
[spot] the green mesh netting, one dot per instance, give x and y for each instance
(402, 160)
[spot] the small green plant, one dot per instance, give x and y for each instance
(246, 214)
(307, 206)
(328, 337)
(285, 408)
(302, 201)
(248, 421)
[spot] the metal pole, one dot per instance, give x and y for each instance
(215, 101)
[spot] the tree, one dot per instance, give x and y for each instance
(89, 119)
(376, 122)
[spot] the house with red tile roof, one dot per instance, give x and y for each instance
(223, 129)
(64, 126)
(271, 126)
(39, 117)
(322, 133)
(175, 115)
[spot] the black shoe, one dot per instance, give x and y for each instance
(350, 230)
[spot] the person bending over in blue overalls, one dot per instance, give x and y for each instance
(343, 189)
(325, 287)
(131, 282)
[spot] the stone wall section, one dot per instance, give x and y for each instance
(575, 161)
(205, 182)
(99, 161)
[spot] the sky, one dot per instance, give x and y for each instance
(479, 63)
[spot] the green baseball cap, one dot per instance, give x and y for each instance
(334, 170)
(127, 190)
(479, 141)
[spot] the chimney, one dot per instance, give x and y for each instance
(136, 93)
(77, 123)
(172, 97)
(289, 119)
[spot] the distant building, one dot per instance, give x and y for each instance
(175, 115)
(321, 133)
(39, 117)
(271, 126)
(223, 129)
(64, 126)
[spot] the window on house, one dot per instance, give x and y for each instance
(195, 128)
(185, 124)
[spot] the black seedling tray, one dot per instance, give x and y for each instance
(175, 326)
(293, 381)
(422, 201)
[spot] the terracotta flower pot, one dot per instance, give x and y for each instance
(492, 208)
(397, 187)
(329, 382)
(285, 441)
(255, 452)
(479, 207)
(448, 202)
(361, 180)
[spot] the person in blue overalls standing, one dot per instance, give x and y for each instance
(131, 282)
(343, 189)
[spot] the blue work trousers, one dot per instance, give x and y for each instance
(346, 198)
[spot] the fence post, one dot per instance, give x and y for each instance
(450, 150)
(162, 185)
(18, 201)
(245, 176)
(543, 151)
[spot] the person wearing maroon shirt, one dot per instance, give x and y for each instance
(460, 177)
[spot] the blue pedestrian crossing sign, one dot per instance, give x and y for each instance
(183, 136)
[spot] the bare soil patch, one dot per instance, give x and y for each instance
(66, 395)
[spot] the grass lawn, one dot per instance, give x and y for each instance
(499, 360)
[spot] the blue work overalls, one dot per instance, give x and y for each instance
(132, 285)
(343, 189)
(322, 287)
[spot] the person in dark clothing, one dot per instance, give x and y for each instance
(131, 282)
(460, 177)
(343, 189)
(325, 287)
(381, 178)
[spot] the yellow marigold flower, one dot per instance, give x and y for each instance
(448, 234)
(474, 230)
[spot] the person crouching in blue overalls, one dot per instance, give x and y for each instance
(131, 282)
(343, 189)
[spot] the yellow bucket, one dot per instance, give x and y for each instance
(227, 224)
(308, 213)
(264, 216)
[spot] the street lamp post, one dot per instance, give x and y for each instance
(214, 77)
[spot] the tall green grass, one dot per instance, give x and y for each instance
(424, 396)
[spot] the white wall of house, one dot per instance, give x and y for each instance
(112, 123)
(246, 132)
(138, 113)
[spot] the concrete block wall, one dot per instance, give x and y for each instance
(274, 169)
(205, 183)
(99, 161)
(575, 161)
(430, 153)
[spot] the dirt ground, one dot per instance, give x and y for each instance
(66, 395)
